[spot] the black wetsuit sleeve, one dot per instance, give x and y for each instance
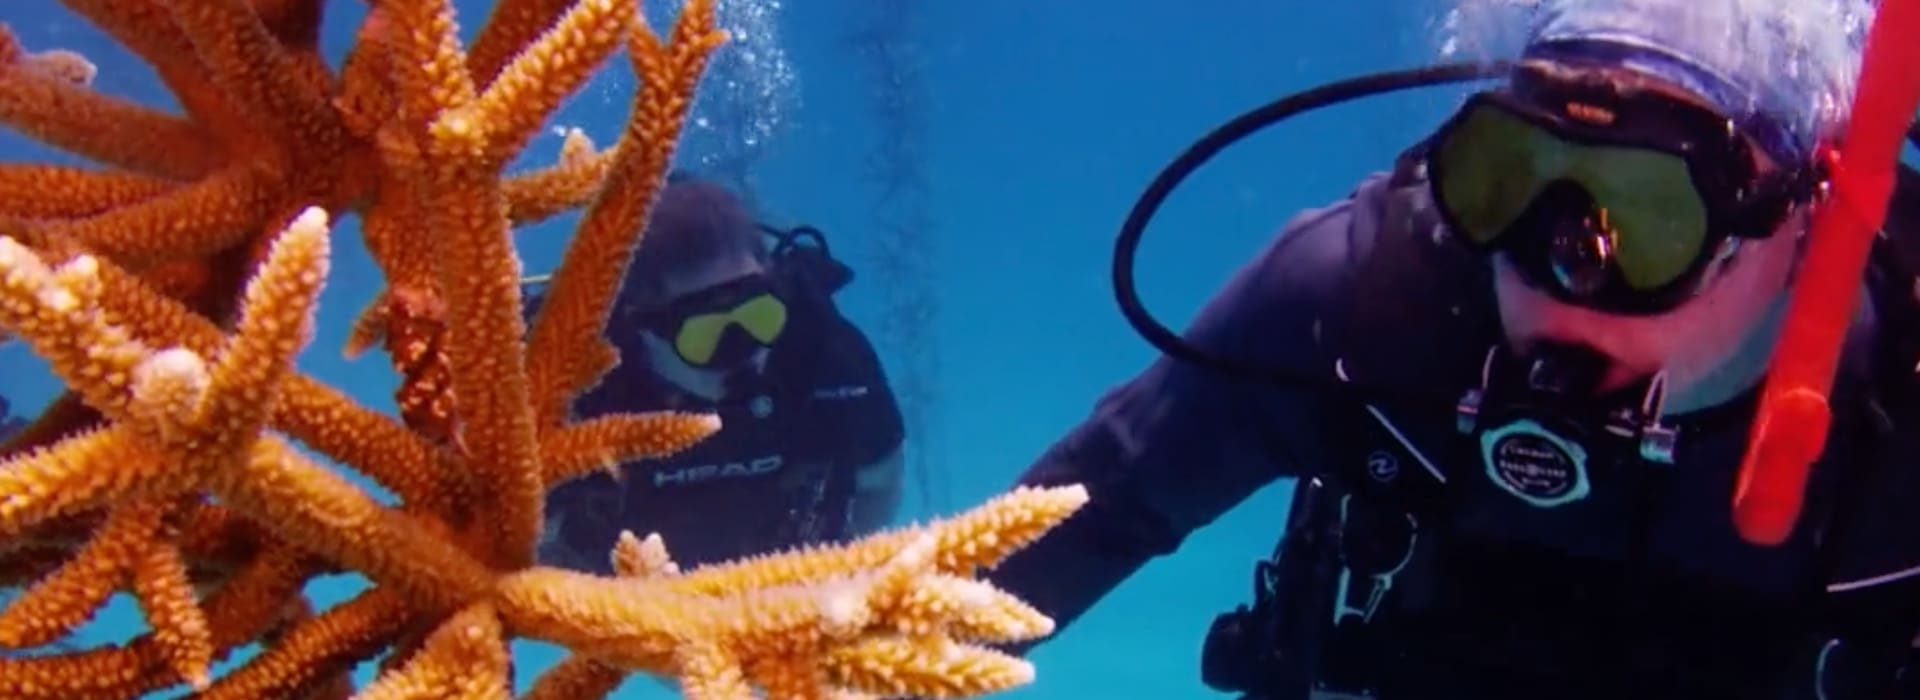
(1175, 447)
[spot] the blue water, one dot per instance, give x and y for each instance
(1040, 123)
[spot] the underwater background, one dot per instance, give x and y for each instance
(972, 161)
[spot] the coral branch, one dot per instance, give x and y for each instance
(573, 315)
(247, 62)
(148, 30)
(76, 192)
(193, 220)
(53, 607)
(173, 291)
(104, 129)
(516, 103)
(318, 415)
(605, 442)
(539, 195)
(511, 27)
(316, 649)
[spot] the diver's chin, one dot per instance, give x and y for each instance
(1531, 319)
(1603, 372)
(1620, 377)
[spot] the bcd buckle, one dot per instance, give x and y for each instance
(1382, 576)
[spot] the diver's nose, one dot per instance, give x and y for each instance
(1580, 241)
(1580, 251)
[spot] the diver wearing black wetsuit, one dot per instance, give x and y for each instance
(810, 439)
(1489, 521)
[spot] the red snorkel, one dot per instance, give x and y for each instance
(1790, 429)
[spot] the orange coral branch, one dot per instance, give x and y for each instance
(45, 191)
(605, 442)
(573, 315)
(511, 26)
(414, 135)
(394, 231)
(316, 650)
(479, 278)
(165, 591)
(195, 220)
(148, 30)
(249, 65)
(535, 196)
(238, 611)
(574, 678)
(515, 104)
(321, 417)
(63, 481)
(295, 23)
(105, 129)
(311, 506)
(54, 606)
(464, 658)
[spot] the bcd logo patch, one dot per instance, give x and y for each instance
(1525, 459)
(724, 470)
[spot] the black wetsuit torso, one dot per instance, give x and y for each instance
(779, 473)
(1637, 588)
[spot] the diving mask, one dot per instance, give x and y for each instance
(1610, 196)
(721, 325)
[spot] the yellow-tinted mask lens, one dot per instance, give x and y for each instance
(763, 318)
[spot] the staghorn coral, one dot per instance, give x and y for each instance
(173, 290)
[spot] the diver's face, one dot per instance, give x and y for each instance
(1693, 343)
(1710, 346)
(709, 382)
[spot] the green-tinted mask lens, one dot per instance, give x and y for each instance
(1495, 163)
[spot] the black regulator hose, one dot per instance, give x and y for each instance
(1127, 244)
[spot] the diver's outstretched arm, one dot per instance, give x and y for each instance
(1175, 447)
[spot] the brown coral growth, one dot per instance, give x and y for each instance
(172, 288)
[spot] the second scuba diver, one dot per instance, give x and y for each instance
(710, 320)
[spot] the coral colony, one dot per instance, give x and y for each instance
(172, 288)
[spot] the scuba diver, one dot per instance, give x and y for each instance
(710, 320)
(1514, 376)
